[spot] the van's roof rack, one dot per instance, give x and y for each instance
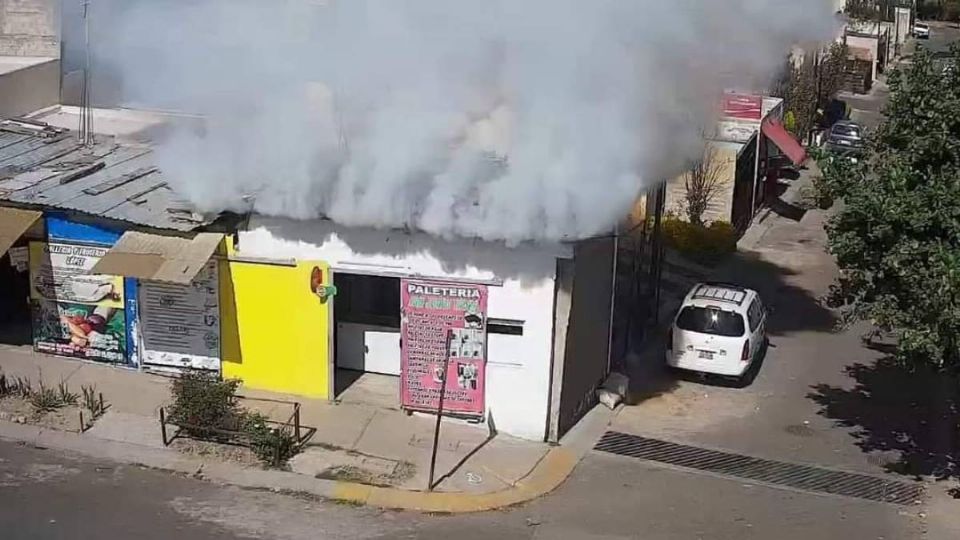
(725, 292)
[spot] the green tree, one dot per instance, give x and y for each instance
(797, 85)
(896, 237)
(831, 73)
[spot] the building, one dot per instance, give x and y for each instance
(29, 56)
(107, 264)
(749, 142)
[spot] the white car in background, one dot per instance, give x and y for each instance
(921, 31)
(720, 329)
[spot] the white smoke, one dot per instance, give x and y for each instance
(503, 119)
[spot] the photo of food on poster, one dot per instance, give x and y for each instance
(80, 331)
(441, 321)
(76, 313)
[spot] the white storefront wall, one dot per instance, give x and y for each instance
(518, 367)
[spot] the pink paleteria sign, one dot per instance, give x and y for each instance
(437, 319)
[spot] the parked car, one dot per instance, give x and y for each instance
(845, 133)
(921, 30)
(720, 329)
(838, 151)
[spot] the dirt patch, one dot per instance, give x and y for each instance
(67, 418)
(351, 473)
(239, 455)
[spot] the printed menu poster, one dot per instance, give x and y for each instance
(438, 319)
(74, 313)
(180, 324)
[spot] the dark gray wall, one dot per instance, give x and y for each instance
(587, 344)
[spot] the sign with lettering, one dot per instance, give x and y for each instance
(180, 324)
(742, 106)
(440, 319)
(74, 313)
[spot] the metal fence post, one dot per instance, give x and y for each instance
(163, 426)
(296, 421)
(443, 392)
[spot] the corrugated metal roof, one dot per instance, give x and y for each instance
(48, 168)
(158, 258)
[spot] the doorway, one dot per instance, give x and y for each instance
(367, 339)
(15, 318)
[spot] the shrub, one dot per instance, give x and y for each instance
(702, 244)
(91, 400)
(65, 396)
(274, 446)
(45, 399)
(202, 403)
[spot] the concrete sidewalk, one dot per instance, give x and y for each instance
(477, 470)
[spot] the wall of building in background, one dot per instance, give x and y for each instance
(863, 46)
(28, 84)
(30, 28)
(724, 155)
(518, 366)
(275, 332)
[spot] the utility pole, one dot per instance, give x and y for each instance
(85, 131)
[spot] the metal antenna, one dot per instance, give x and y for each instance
(85, 131)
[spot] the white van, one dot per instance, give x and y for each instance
(720, 329)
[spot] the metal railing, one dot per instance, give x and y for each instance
(293, 425)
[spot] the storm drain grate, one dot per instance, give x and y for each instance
(802, 477)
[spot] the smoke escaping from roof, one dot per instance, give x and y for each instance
(504, 119)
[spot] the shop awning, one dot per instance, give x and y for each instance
(784, 141)
(158, 258)
(13, 223)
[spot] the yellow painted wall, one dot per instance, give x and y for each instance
(275, 331)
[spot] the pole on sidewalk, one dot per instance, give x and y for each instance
(436, 429)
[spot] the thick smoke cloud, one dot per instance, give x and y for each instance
(503, 119)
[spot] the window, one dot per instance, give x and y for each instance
(754, 313)
(711, 320)
(509, 327)
(368, 299)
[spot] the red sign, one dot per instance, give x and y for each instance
(743, 106)
(440, 319)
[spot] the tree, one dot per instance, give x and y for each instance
(862, 10)
(797, 86)
(896, 238)
(702, 183)
(831, 73)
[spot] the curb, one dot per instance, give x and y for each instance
(547, 474)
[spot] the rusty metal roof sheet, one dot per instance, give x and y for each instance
(47, 168)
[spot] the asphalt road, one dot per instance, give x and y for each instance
(46, 495)
(941, 37)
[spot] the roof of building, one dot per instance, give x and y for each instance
(46, 167)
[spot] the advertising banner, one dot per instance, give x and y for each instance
(180, 324)
(75, 314)
(742, 106)
(437, 319)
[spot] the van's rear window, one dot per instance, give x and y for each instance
(711, 321)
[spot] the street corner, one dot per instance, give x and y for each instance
(555, 467)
